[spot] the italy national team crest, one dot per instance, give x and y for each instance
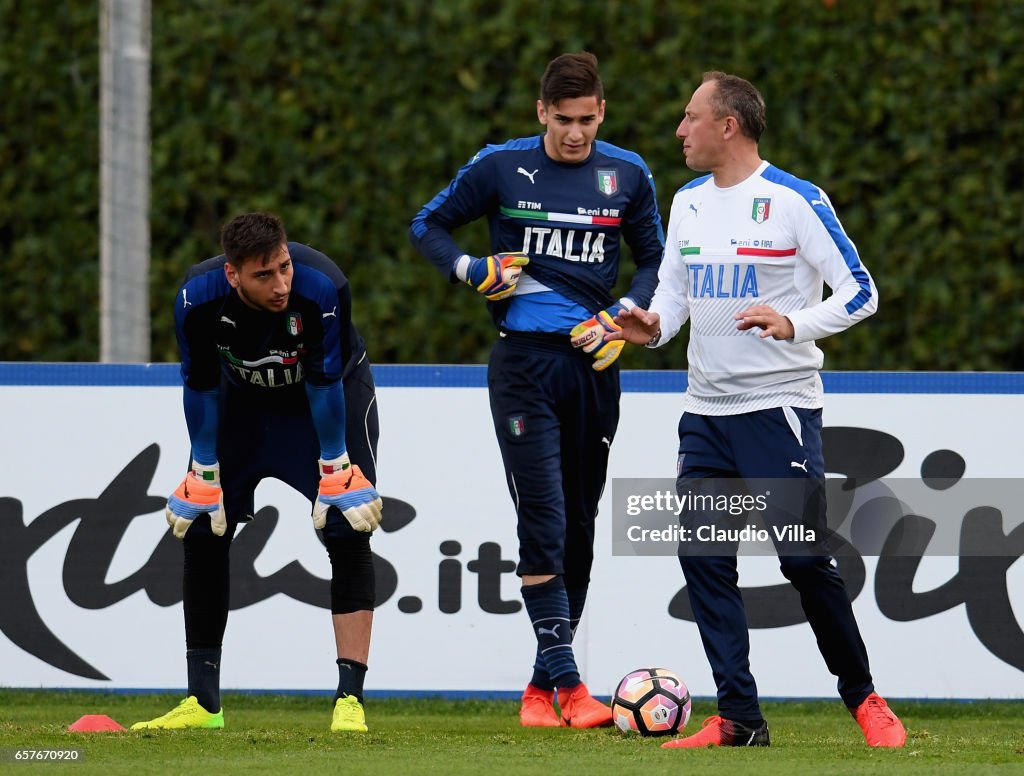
(608, 182)
(760, 210)
(516, 426)
(294, 324)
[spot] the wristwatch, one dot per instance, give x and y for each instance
(653, 341)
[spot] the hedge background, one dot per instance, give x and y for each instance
(345, 117)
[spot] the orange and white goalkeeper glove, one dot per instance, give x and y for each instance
(199, 493)
(589, 335)
(343, 485)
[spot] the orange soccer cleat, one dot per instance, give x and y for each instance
(580, 709)
(881, 727)
(538, 708)
(717, 731)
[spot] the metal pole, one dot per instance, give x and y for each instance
(124, 180)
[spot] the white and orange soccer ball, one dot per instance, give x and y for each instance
(651, 702)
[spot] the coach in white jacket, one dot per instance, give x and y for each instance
(747, 252)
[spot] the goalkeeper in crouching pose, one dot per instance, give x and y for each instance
(557, 205)
(276, 384)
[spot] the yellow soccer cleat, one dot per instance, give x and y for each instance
(187, 714)
(349, 716)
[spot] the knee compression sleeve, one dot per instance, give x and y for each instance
(352, 579)
(206, 589)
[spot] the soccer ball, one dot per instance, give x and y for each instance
(651, 702)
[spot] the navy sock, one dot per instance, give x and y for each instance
(350, 679)
(204, 676)
(577, 600)
(548, 607)
(541, 679)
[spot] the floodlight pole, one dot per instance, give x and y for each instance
(124, 180)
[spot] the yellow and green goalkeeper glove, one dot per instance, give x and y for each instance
(589, 335)
(199, 493)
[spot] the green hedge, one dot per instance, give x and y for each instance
(345, 117)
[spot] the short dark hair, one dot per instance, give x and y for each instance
(252, 235)
(737, 97)
(571, 75)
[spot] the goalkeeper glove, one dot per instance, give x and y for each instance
(496, 276)
(197, 494)
(589, 335)
(343, 485)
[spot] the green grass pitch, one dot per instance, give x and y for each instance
(278, 734)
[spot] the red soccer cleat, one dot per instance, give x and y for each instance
(538, 708)
(717, 731)
(881, 727)
(580, 709)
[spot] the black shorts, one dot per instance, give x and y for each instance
(272, 435)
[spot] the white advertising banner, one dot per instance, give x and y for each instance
(92, 577)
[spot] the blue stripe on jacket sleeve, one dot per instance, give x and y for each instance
(812, 194)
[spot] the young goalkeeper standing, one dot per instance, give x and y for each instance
(276, 384)
(557, 205)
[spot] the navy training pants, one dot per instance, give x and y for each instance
(778, 444)
(555, 419)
